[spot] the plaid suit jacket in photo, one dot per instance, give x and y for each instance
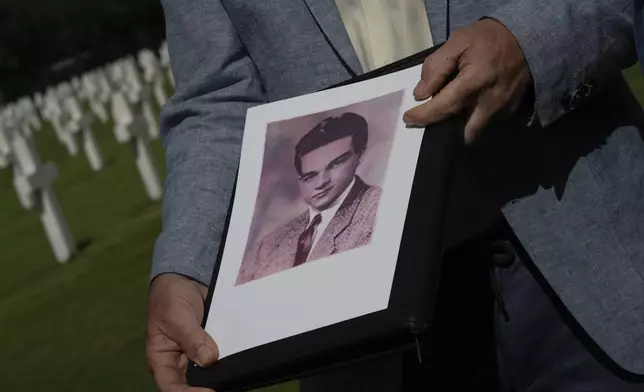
(351, 227)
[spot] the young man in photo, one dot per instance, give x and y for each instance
(341, 207)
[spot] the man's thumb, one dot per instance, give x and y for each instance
(206, 354)
(198, 346)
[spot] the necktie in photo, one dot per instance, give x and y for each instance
(305, 241)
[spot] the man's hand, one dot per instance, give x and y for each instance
(174, 335)
(492, 78)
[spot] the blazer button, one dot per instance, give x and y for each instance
(503, 255)
(577, 98)
(585, 90)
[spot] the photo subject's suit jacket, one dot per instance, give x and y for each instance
(572, 186)
(350, 228)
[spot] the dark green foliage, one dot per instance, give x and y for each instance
(45, 41)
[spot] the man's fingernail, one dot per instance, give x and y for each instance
(205, 355)
(408, 120)
(420, 89)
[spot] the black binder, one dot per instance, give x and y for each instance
(411, 303)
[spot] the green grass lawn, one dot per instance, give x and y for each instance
(80, 326)
(636, 81)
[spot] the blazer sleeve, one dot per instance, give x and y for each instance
(201, 126)
(570, 45)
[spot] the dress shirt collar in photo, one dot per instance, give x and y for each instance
(327, 215)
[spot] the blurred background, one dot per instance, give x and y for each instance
(81, 168)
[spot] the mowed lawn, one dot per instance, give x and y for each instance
(80, 326)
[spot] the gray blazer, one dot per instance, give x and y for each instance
(572, 187)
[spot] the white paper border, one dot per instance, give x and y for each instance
(325, 292)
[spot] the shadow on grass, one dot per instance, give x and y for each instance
(84, 243)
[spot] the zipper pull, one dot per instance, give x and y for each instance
(417, 330)
(418, 350)
(498, 297)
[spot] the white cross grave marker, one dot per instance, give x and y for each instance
(148, 112)
(38, 99)
(90, 146)
(59, 119)
(164, 56)
(91, 92)
(127, 79)
(70, 123)
(27, 113)
(104, 87)
(77, 122)
(77, 86)
(132, 80)
(34, 185)
(135, 129)
(153, 75)
(5, 147)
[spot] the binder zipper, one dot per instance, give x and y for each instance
(416, 330)
(498, 296)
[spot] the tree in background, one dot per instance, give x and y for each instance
(43, 42)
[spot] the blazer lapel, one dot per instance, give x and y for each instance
(342, 219)
(282, 248)
(294, 235)
(327, 16)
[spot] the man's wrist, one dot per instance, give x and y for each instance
(168, 278)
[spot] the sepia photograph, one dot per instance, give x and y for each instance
(320, 185)
(321, 199)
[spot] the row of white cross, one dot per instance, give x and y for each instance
(119, 86)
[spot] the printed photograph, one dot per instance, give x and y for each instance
(320, 185)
